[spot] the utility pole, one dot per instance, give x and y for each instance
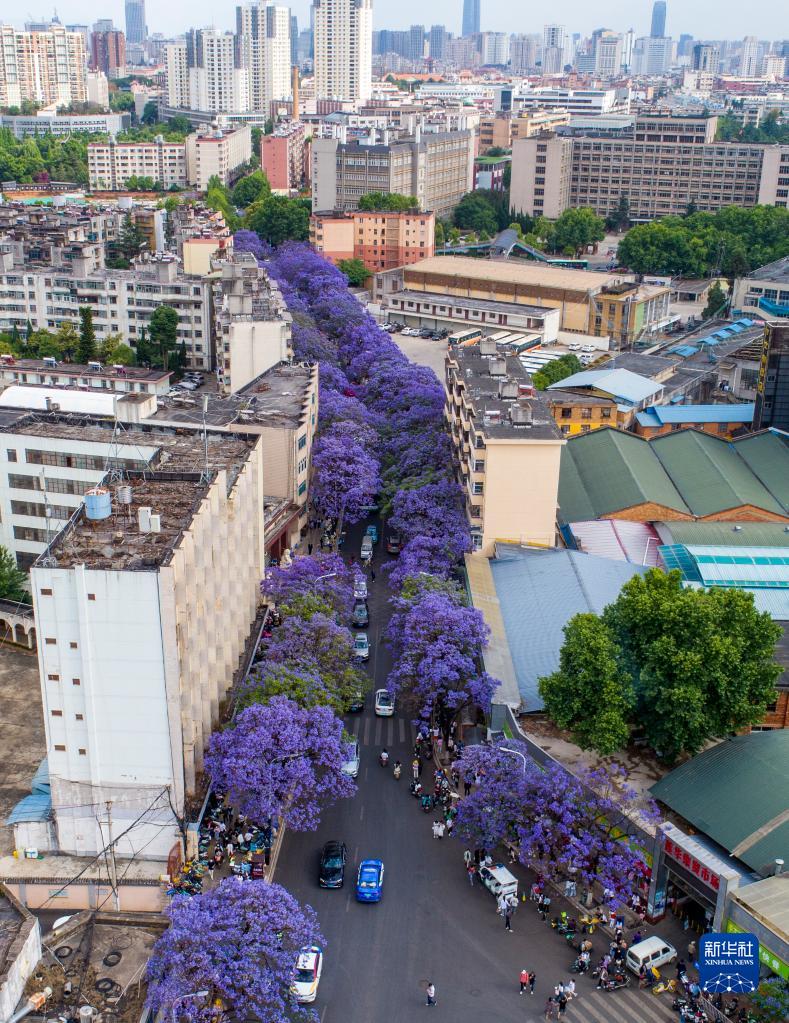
(111, 863)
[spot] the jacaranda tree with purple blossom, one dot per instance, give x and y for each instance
(249, 241)
(587, 828)
(325, 576)
(281, 760)
(239, 943)
(345, 477)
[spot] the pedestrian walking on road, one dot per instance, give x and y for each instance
(532, 981)
(467, 857)
(562, 1003)
(501, 904)
(435, 829)
(691, 949)
(550, 1009)
(309, 548)
(372, 574)
(524, 979)
(570, 989)
(508, 918)
(471, 871)
(466, 786)
(430, 991)
(546, 906)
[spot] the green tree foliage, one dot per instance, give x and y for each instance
(130, 243)
(163, 331)
(475, 213)
(60, 158)
(355, 270)
(250, 189)
(121, 101)
(685, 665)
(150, 113)
(144, 350)
(147, 132)
(12, 579)
(770, 1001)
(590, 694)
(771, 130)
(277, 219)
(619, 217)
(391, 202)
(67, 339)
(716, 301)
(440, 235)
(257, 140)
(575, 230)
(702, 662)
(86, 349)
(556, 370)
(732, 242)
(218, 198)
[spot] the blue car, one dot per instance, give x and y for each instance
(370, 882)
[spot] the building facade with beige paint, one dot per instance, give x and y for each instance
(381, 239)
(507, 448)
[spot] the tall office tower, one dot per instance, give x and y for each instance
(658, 19)
(706, 57)
(108, 53)
(294, 39)
(470, 17)
(628, 43)
(685, 45)
(495, 48)
(523, 53)
(46, 67)
(264, 44)
(607, 53)
(438, 41)
(554, 44)
(414, 42)
(136, 29)
(343, 49)
(750, 63)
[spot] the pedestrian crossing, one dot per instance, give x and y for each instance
(624, 1006)
(375, 731)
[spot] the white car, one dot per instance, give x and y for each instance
(359, 587)
(384, 704)
(361, 646)
(308, 974)
(575, 346)
(351, 765)
(588, 348)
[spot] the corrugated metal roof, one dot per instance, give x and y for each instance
(619, 383)
(636, 542)
(742, 413)
(774, 602)
(768, 900)
(727, 534)
(767, 455)
(40, 782)
(710, 475)
(538, 593)
(733, 791)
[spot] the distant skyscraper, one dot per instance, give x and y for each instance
(136, 29)
(343, 49)
(685, 46)
(438, 41)
(294, 39)
(554, 44)
(749, 57)
(706, 57)
(470, 17)
(658, 19)
(108, 53)
(263, 32)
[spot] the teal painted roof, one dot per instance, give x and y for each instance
(737, 794)
(742, 413)
(728, 534)
(621, 384)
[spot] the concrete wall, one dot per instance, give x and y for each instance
(23, 954)
(134, 898)
(256, 346)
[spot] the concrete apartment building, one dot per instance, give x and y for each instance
(122, 301)
(436, 167)
(765, 291)
(204, 74)
(94, 377)
(143, 607)
(212, 151)
(507, 448)
(285, 157)
(111, 164)
(664, 164)
(578, 102)
(43, 66)
(501, 129)
(382, 240)
(587, 302)
(263, 33)
(343, 45)
(108, 52)
(46, 121)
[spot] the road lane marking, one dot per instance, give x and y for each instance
(323, 1014)
(361, 813)
(378, 724)
(401, 728)
(366, 739)
(389, 731)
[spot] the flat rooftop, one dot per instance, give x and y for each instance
(513, 308)
(492, 412)
(75, 369)
(777, 272)
(276, 398)
(525, 274)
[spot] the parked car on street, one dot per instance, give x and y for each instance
(361, 646)
(384, 704)
(393, 544)
(650, 952)
(351, 765)
(366, 551)
(370, 881)
(331, 870)
(372, 532)
(356, 704)
(360, 618)
(307, 975)
(359, 587)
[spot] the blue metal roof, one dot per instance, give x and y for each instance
(740, 413)
(40, 782)
(620, 383)
(539, 592)
(684, 350)
(37, 807)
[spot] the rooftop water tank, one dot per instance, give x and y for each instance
(123, 494)
(98, 504)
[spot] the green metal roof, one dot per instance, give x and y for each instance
(767, 455)
(728, 534)
(710, 474)
(737, 793)
(607, 470)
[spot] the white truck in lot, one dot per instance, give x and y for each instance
(499, 880)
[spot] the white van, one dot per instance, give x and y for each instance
(650, 952)
(499, 880)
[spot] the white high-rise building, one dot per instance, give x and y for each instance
(653, 55)
(217, 85)
(263, 31)
(628, 42)
(177, 70)
(43, 66)
(495, 48)
(608, 54)
(749, 59)
(523, 53)
(554, 46)
(343, 49)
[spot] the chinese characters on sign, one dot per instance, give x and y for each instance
(728, 963)
(692, 864)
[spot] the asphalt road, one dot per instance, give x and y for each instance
(430, 923)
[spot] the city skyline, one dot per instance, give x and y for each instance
(731, 21)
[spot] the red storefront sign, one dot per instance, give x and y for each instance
(690, 863)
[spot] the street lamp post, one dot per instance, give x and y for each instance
(516, 753)
(183, 998)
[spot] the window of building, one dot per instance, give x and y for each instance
(45, 592)
(586, 413)
(566, 413)
(79, 717)
(11, 454)
(302, 441)
(50, 641)
(82, 752)
(302, 487)
(605, 413)
(76, 682)
(53, 678)
(59, 748)
(57, 713)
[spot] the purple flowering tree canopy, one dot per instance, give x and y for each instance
(281, 760)
(324, 576)
(239, 942)
(346, 477)
(249, 241)
(564, 826)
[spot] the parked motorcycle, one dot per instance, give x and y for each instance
(615, 982)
